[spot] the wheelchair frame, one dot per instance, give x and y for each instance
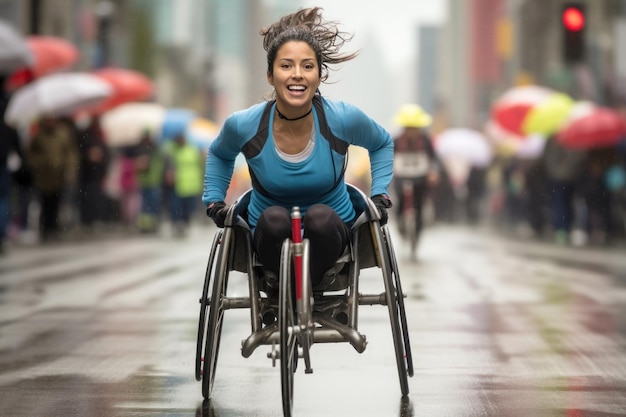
(328, 314)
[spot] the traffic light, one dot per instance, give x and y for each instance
(573, 21)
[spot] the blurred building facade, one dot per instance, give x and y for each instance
(207, 54)
(202, 54)
(487, 46)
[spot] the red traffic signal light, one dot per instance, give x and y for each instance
(573, 18)
(573, 29)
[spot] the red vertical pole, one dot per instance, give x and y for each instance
(296, 238)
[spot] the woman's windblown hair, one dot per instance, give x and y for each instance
(307, 25)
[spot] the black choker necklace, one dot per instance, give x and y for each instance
(282, 116)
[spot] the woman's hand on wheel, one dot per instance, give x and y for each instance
(217, 211)
(382, 203)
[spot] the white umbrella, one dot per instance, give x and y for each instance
(57, 94)
(14, 51)
(532, 147)
(125, 124)
(466, 144)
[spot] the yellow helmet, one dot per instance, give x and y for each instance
(412, 115)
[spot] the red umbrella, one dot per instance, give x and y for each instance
(51, 54)
(511, 109)
(128, 86)
(591, 126)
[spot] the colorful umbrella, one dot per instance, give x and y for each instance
(50, 54)
(14, 51)
(531, 148)
(548, 116)
(128, 86)
(56, 94)
(592, 126)
(465, 144)
(175, 122)
(125, 124)
(201, 132)
(511, 109)
(508, 145)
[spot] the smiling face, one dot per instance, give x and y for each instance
(295, 76)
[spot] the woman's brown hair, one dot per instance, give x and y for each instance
(307, 25)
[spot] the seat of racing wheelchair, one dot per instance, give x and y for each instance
(337, 277)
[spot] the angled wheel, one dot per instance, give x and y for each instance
(216, 314)
(287, 335)
(392, 304)
(204, 306)
(400, 301)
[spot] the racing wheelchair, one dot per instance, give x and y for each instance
(287, 313)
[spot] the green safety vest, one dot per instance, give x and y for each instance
(188, 170)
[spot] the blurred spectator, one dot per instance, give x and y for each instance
(9, 142)
(150, 166)
(443, 198)
(24, 191)
(535, 198)
(94, 163)
(129, 188)
(185, 173)
(564, 168)
(597, 196)
(476, 190)
(513, 183)
(52, 157)
(69, 215)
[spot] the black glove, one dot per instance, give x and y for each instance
(382, 203)
(217, 211)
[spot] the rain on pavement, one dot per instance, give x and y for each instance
(498, 327)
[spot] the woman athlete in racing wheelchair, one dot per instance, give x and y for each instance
(300, 217)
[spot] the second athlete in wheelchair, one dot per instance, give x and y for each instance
(299, 211)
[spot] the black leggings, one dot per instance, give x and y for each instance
(328, 236)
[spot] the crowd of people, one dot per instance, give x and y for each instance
(62, 180)
(560, 194)
(571, 196)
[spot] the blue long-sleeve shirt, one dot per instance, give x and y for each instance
(304, 183)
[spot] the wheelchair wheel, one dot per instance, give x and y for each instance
(393, 305)
(287, 335)
(216, 315)
(400, 300)
(204, 306)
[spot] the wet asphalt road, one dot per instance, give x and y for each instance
(498, 326)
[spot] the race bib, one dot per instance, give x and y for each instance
(410, 164)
